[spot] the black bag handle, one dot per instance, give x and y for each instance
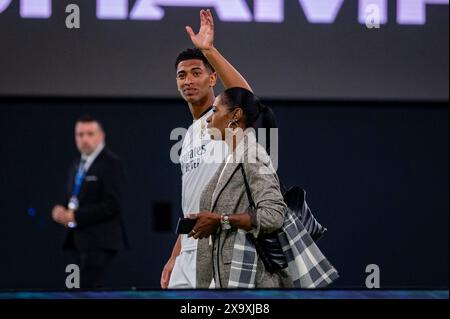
(262, 244)
(247, 187)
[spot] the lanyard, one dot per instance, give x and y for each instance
(79, 177)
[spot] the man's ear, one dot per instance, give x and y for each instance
(212, 79)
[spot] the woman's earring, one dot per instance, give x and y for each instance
(233, 130)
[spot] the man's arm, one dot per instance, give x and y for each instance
(60, 213)
(167, 271)
(204, 40)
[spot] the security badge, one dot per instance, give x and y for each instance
(73, 203)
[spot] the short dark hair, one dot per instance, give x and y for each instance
(193, 54)
(86, 118)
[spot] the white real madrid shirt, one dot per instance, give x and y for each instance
(200, 158)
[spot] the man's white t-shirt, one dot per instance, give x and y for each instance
(200, 158)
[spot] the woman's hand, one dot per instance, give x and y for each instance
(207, 223)
(204, 39)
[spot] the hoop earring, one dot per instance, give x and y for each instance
(233, 130)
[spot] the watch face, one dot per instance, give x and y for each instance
(225, 222)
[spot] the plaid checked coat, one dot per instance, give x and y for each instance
(230, 258)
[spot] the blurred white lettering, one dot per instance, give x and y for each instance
(264, 11)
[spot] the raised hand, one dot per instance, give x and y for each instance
(204, 39)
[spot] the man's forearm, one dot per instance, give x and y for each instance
(229, 76)
(176, 248)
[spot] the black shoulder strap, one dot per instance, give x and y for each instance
(247, 187)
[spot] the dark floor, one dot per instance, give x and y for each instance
(229, 294)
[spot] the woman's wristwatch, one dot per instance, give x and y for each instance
(225, 222)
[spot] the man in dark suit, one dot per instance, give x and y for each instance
(93, 214)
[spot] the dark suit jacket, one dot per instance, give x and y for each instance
(101, 202)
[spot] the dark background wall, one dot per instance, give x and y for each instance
(371, 150)
(376, 175)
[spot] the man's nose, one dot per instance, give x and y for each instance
(189, 79)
